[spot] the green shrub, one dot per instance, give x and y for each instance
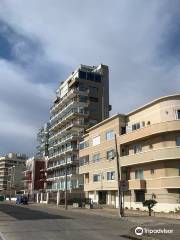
(149, 204)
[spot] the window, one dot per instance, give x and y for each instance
(110, 135)
(96, 140)
(123, 130)
(111, 175)
(83, 145)
(93, 90)
(96, 158)
(82, 74)
(125, 151)
(137, 148)
(97, 78)
(178, 141)
(93, 99)
(90, 76)
(152, 171)
(135, 126)
(96, 177)
(139, 174)
(110, 154)
(178, 114)
(82, 98)
(140, 195)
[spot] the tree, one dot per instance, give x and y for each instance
(149, 204)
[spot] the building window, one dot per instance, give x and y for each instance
(178, 114)
(93, 99)
(110, 154)
(125, 151)
(96, 178)
(96, 158)
(137, 148)
(83, 145)
(139, 195)
(123, 130)
(93, 90)
(178, 141)
(96, 140)
(110, 135)
(152, 171)
(139, 174)
(135, 126)
(82, 74)
(111, 175)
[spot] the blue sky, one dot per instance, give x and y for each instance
(43, 41)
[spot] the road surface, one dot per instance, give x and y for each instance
(38, 223)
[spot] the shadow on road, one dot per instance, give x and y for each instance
(24, 213)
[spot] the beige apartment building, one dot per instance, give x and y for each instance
(6, 162)
(148, 140)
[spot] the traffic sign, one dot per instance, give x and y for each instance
(124, 185)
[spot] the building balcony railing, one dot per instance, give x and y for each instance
(137, 184)
(150, 130)
(170, 182)
(63, 152)
(68, 128)
(61, 163)
(55, 177)
(73, 92)
(151, 156)
(64, 140)
(68, 117)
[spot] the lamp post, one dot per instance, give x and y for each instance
(65, 197)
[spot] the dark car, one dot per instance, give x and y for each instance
(22, 200)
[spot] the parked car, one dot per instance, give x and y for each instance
(22, 200)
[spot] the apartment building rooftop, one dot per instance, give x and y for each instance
(155, 101)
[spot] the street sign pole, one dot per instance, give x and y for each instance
(118, 166)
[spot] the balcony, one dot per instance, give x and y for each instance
(69, 116)
(150, 130)
(151, 156)
(164, 182)
(64, 140)
(137, 184)
(72, 93)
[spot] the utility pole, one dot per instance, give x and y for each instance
(120, 209)
(65, 197)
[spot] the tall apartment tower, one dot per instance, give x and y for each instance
(82, 100)
(43, 141)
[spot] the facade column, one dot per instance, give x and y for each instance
(109, 198)
(37, 196)
(41, 198)
(47, 197)
(58, 197)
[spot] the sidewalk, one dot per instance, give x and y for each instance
(130, 215)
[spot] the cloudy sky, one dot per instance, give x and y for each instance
(42, 41)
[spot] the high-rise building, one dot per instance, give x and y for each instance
(82, 101)
(43, 141)
(7, 161)
(148, 143)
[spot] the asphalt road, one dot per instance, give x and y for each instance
(37, 223)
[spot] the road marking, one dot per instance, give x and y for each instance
(2, 236)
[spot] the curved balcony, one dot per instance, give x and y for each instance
(170, 182)
(151, 156)
(148, 131)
